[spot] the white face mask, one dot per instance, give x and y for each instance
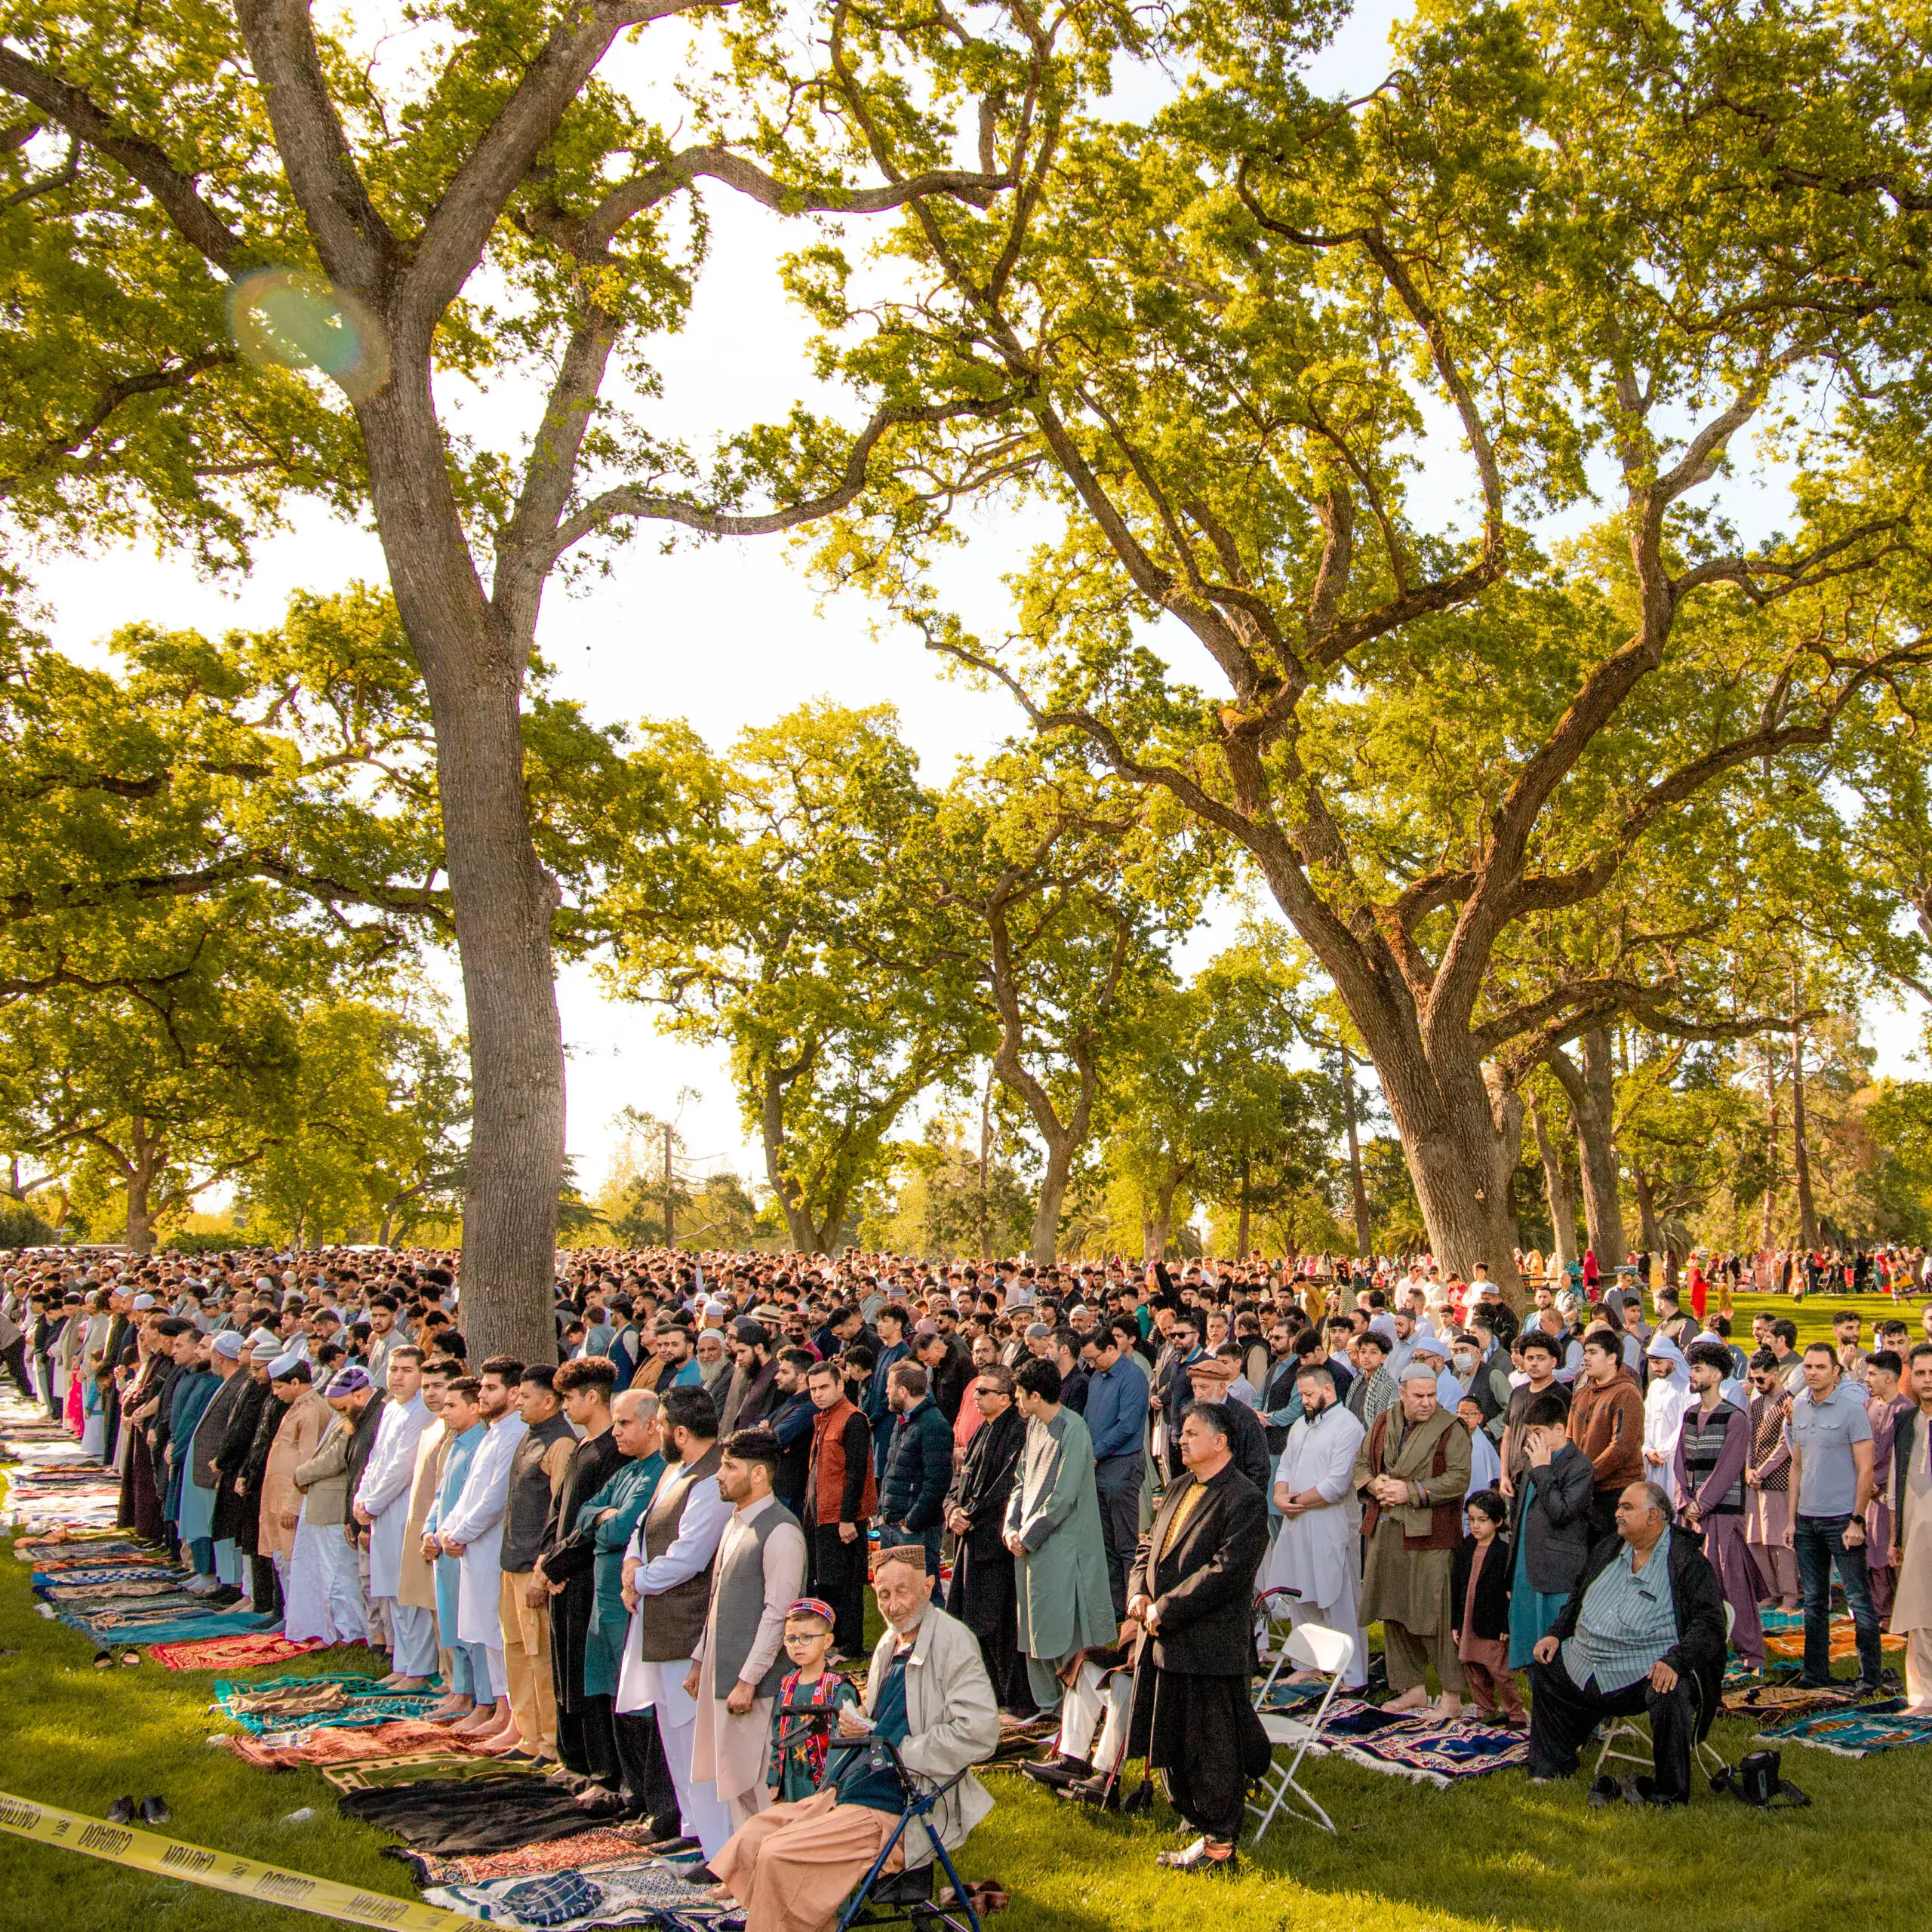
(1465, 1362)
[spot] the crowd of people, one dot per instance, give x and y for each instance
(640, 1566)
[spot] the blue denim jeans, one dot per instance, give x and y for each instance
(1818, 1542)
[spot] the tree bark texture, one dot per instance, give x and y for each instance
(1556, 1190)
(502, 899)
(1358, 1185)
(1591, 1092)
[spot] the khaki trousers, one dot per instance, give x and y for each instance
(527, 1663)
(792, 1866)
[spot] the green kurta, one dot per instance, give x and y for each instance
(1064, 1603)
(1410, 1587)
(628, 1492)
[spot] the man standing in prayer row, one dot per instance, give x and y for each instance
(325, 1593)
(1053, 1529)
(587, 1739)
(1317, 1556)
(668, 1566)
(537, 1471)
(1413, 1470)
(1607, 1423)
(472, 1530)
(739, 1660)
(381, 1506)
(1831, 1478)
(1190, 1604)
(1767, 1524)
(1713, 1440)
(1912, 1530)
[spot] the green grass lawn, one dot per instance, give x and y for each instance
(1491, 1853)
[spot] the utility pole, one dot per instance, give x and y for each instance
(670, 1194)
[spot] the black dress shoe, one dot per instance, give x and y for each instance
(122, 1811)
(154, 1810)
(1056, 1772)
(1096, 1792)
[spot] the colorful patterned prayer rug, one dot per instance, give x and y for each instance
(1857, 1732)
(234, 1652)
(1437, 1754)
(606, 1844)
(642, 1894)
(1790, 1643)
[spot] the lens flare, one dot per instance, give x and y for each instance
(287, 319)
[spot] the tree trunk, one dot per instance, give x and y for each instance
(140, 1173)
(1768, 1228)
(1801, 1158)
(1557, 1190)
(1060, 1152)
(784, 1189)
(1358, 1186)
(985, 1164)
(502, 898)
(1647, 1210)
(1592, 1097)
(1242, 1224)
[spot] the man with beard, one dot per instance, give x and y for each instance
(794, 1865)
(1317, 1557)
(667, 1567)
(1189, 1601)
(1413, 1469)
(252, 1537)
(1713, 1440)
(248, 1392)
(471, 1531)
(981, 1594)
(380, 1507)
(586, 1744)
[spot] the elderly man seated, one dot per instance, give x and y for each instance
(1643, 1632)
(793, 1866)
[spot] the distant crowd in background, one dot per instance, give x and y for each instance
(1075, 1479)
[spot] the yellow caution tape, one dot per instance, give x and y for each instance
(167, 1858)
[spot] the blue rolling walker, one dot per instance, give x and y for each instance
(903, 1897)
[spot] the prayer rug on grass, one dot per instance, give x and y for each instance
(1284, 1696)
(281, 1703)
(165, 1625)
(626, 1895)
(449, 1817)
(1857, 1732)
(1437, 1754)
(231, 1652)
(606, 1844)
(1784, 1701)
(297, 1749)
(376, 1773)
(103, 1584)
(1845, 1641)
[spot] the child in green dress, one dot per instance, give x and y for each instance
(798, 1743)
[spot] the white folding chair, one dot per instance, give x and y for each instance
(1330, 1653)
(1636, 1731)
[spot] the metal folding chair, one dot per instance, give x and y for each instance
(1310, 1647)
(1636, 1731)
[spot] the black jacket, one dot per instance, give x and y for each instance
(1491, 1619)
(1905, 1434)
(1204, 1587)
(1249, 1442)
(918, 1468)
(1555, 1539)
(233, 1514)
(1697, 1599)
(985, 1481)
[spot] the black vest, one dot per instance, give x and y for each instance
(527, 1506)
